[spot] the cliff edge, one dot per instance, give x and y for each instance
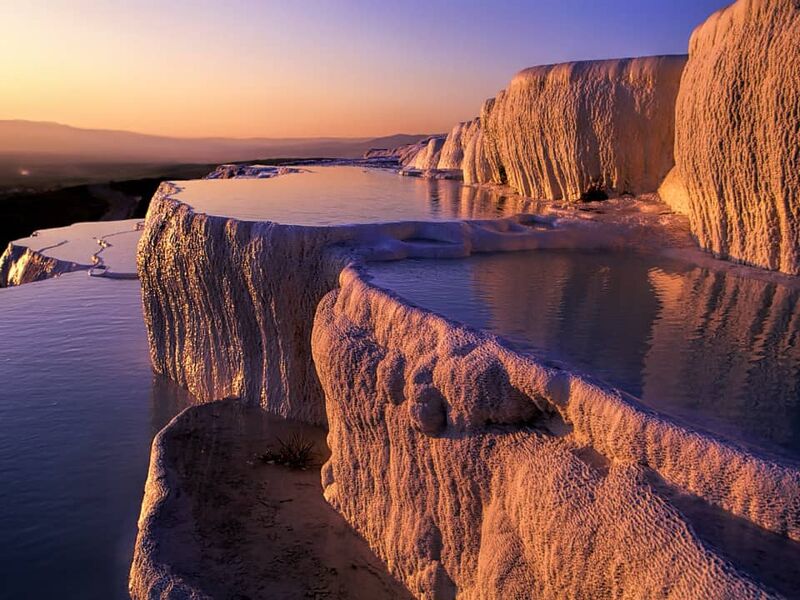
(738, 134)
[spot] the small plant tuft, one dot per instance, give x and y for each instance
(296, 453)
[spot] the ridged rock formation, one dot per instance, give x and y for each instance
(20, 264)
(467, 467)
(476, 472)
(475, 167)
(673, 191)
(402, 154)
(451, 156)
(279, 536)
(229, 304)
(250, 171)
(738, 133)
(560, 131)
(428, 156)
(424, 152)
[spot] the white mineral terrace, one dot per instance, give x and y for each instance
(319, 195)
(469, 468)
(104, 249)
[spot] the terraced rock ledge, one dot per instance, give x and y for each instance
(469, 469)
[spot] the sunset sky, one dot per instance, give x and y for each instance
(303, 68)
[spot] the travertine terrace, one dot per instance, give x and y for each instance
(468, 468)
(737, 134)
(727, 119)
(434, 433)
(104, 249)
(263, 280)
(428, 156)
(560, 131)
(473, 470)
(452, 155)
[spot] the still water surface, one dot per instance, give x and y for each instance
(79, 406)
(710, 348)
(342, 195)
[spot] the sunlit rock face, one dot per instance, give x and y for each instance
(421, 155)
(738, 133)
(229, 304)
(234, 171)
(461, 136)
(428, 156)
(403, 155)
(476, 472)
(560, 131)
(20, 264)
(467, 467)
(673, 191)
(475, 166)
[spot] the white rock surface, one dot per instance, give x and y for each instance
(474, 471)
(451, 156)
(738, 133)
(475, 166)
(402, 154)
(104, 248)
(467, 467)
(229, 304)
(249, 171)
(673, 191)
(559, 130)
(428, 156)
(406, 154)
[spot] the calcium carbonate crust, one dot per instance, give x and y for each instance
(78, 247)
(561, 131)
(20, 265)
(164, 509)
(229, 304)
(461, 462)
(738, 134)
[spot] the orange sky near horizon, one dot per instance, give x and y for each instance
(102, 67)
(248, 68)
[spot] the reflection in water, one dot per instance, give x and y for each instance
(434, 198)
(337, 195)
(716, 350)
(79, 406)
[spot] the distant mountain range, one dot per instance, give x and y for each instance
(39, 139)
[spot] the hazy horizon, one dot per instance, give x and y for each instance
(29, 150)
(249, 138)
(348, 68)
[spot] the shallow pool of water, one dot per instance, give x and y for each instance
(79, 406)
(342, 195)
(710, 348)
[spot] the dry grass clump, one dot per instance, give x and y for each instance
(296, 453)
